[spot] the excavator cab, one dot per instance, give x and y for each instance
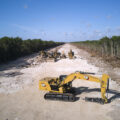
(62, 77)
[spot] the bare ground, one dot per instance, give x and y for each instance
(20, 98)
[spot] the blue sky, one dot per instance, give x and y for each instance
(60, 20)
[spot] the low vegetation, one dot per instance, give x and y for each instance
(105, 47)
(12, 48)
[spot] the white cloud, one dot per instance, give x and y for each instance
(84, 33)
(89, 25)
(96, 17)
(25, 28)
(30, 31)
(108, 16)
(96, 31)
(108, 30)
(65, 33)
(71, 33)
(44, 33)
(52, 19)
(118, 28)
(25, 6)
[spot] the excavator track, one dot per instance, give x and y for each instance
(60, 97)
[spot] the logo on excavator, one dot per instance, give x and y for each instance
(86, 77)
(43, 85)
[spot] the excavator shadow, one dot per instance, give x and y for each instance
(115, 94)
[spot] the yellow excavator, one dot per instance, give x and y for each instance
(61, 88)
(71, 54)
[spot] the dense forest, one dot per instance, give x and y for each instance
(12, 48)
(105, 47)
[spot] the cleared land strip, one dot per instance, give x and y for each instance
(20, 98)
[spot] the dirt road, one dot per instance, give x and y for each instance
(20, 98)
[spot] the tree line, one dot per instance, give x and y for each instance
(105, 47)
(12, 48)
